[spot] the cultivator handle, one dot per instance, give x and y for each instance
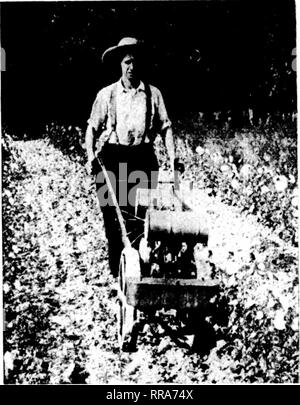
(125, 239)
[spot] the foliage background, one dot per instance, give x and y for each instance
(205, 56)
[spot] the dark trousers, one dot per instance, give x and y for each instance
(129, 168)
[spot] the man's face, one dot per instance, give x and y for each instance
(129, 67)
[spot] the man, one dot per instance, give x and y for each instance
(127, 115)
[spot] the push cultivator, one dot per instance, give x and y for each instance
(162, 270)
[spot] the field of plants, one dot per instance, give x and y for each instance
(60, 308)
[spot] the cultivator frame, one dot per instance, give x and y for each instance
(141, 295)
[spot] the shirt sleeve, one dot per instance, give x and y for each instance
(98, 115)
(162, 119)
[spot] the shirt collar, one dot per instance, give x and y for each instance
(122, 89)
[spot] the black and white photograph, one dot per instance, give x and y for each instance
(149, 194)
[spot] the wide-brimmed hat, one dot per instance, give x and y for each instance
(126, 44)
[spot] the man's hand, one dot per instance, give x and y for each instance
(88, 167)
(92, 166)
(178, 166)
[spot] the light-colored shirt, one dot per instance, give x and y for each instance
(130, 114)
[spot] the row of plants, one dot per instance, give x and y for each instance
(53, 245)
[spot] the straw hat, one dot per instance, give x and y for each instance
(126, 44)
